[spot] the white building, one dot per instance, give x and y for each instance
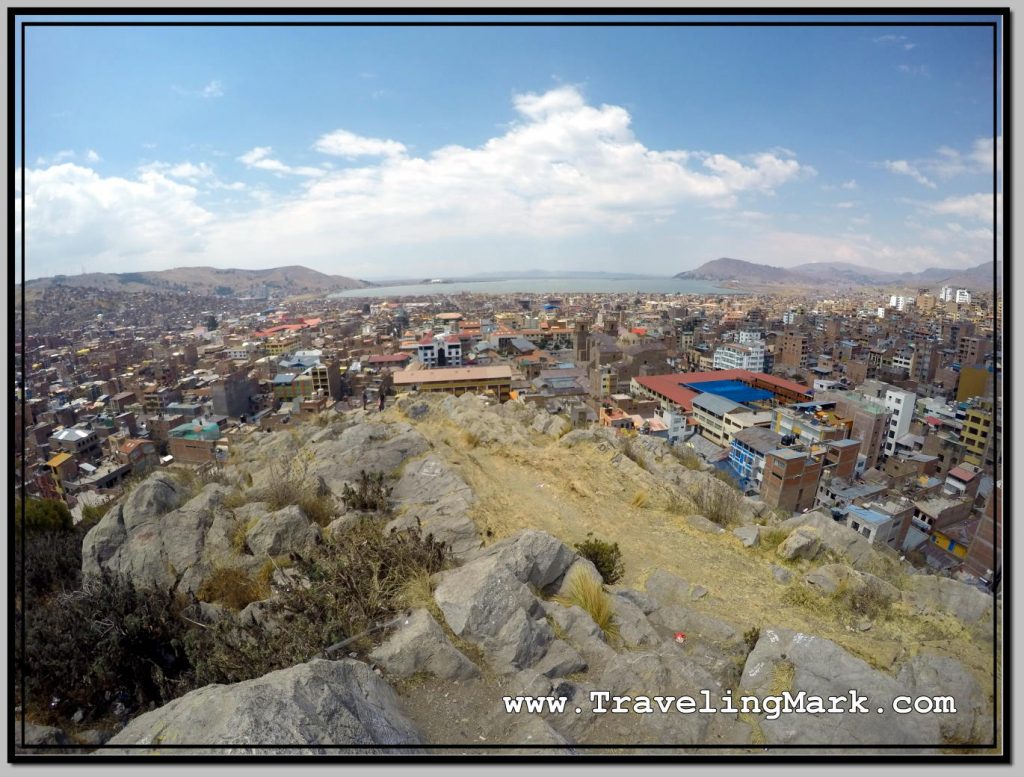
(440, 351)
(748, 336)
(963, 297)
(901, 405)
(897, 302)
(735, 356)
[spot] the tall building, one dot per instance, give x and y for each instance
(582, 343)
(736, 356)
(794, 351)
(900, 405)
(976, 434)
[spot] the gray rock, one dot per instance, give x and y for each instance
(155, 496)
(932, 594)
(479, 598)
(793, 661)
(317, 704)
(581, 632)
(520, 643)
(803, 542)
(342, 524)
(535, 557)
(436, 500)
(368, 446)
(560, 660)
(420, 645)
(154, 549)
(701, 523)
(829, 578)
(840, 539)
(750, 536)
(715, 645)
(781, 574)
(645, 602)
(937, 676)
(530, 682)
(757, 506)
(282, 532)
(40, 736)
(533, 730)
(634, 628)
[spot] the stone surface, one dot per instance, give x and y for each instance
(420, 645)
(667, 588)
(930, 593)
(750, 536)
(840, 539)
(787, 660)
(830, 578)
(560, 660)
(803, 542)
(316, 704)
(535, 558)
(937, 676)
(704, 524)
(781, 574)
(282, 532)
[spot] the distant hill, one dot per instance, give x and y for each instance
(287, 281)
(837, 274)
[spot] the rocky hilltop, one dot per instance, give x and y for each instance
(765, 605)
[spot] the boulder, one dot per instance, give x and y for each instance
(436, 500)
(316, 705)
(535, 558)
(703, 524)
(560, 660)
(750, 536)
(283, 531)
(369, 446)
(420, 645)
(932, 594)
(717, 646)
(667, 588)
(41, 737)
(757, 506)
(784, 660)
(154, 549)
(804, 542)
(781, 574)
(840, 539)
(634, 628)
(935, 676)
(829, 578)
(521, 642)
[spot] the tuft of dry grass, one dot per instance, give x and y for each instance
(717, 502)
(588, 593)
(233, 587)
(640, 499)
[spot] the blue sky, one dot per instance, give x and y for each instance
(406, 152)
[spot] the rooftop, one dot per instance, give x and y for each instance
(759, 439)
(871, 516)
(450, 374)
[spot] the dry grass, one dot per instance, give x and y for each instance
(717, 502)
(640, 499)
(588, 594)
(783, 675)
(233, 587)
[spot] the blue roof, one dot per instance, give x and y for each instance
(730, 389)
(283, 379)
(871, 516)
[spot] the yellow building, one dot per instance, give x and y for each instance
(458, 380)
(976, 434)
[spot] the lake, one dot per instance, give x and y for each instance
(546, 286)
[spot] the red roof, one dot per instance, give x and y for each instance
(389, 358)
(669, 386)
(962, 475)
(638, 330)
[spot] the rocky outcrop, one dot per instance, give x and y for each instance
(841, 540)
(830, 578)
(316, 705)
(420, 646)
(784, 660)
(437, 500)
(803, 542)
(940, 676)
(369, 447)
(154, 549)
(281, 532)
(932, 594)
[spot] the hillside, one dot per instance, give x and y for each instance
(840, 274)
(765, 605)
(282, 281)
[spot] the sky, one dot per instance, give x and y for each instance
(408, 152)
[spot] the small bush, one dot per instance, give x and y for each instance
(751, 636)
(42, 515)
(586, 592)
(357, 580)
(92, 514)
(717, 502)
(686, 456)
(295, 486)
(606, 556)
(639, 499)
(369, 495)
(233, 587)
(770, 539)
(235, 499)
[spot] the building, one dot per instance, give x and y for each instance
(794, 350)
(232, 396)
(877, 526)
(442, 350)
(736, 356)
(676, 391)
(747, 455)
(976, 434)
(984, 555)
(810, 422)
(719, 418)
(937, 512)
(84, 444)
(790, 479)
(196, 443)
(900, 405)
(496, 380)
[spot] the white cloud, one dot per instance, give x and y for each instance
(850, 185)
(563, 169)
(915, 70)
(971, 206)
(187, 171)
(845, 204)
(903, 167)
(348, 144)
(92, 156)
(55, 159)
(213, 89)
(889, 39)
(259, 158)
(74, 215)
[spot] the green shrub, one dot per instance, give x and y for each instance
(357, 580)
(92, 514)
(42, 515)
(369, 495)
(606, 556)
